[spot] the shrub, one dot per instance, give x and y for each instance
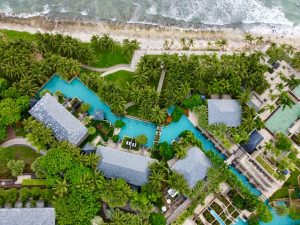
(43, 92)
(92, 130)
(193, 101)
(16, 167)
(115, 138)
(119, 124)
(36, 193)
(157, 219)
(25, 195)
(84, 107)
(141, 139)
(166, 151)
(11, 196)
(177, 113)
(283, 142)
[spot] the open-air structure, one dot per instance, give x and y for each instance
(224, 111)
(119, 164)
(55, 116)
(27, 216)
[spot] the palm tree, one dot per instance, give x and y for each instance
(290, 49)
(61, 188)
(270, 107)
(168, 44)
(249, 38)
(259, 40)
(282, 210)
(285, 100)
(91, 160)
(158, 115)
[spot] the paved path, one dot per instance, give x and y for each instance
(20, 142)
(101, 70)
(161, 81)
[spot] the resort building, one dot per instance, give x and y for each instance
(193, 167)
(27, 216)
(119, 164)
(224, 111)
(55, 116)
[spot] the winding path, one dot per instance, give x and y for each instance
(138, 54)
(20, 142)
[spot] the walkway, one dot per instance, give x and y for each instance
(22, 142)
(161, 81)
(138, 54)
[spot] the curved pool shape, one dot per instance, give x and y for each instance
(134, 127)
(77, 89)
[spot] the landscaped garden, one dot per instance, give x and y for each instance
(16, 153)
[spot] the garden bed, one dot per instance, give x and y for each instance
(136, 147)
(223, 200)
(230, 209)
(216, 207)
(105, 130)
(208, 216)
(235, 214)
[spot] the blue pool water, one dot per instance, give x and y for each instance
(76, 88)
(134, 128)
(217, 217)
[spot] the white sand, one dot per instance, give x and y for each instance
(150, 37)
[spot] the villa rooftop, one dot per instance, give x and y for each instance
(27, 216)
(224, 111)
(118, 164)
(193, 167)
(64, 125)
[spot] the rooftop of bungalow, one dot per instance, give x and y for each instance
(193, 167)
(55, 116)
(118, 164)
(224, 111)
(27, 216)
(254, 140)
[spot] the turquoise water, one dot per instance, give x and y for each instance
(217, 217)
(277, 220)
(134, 127)
(76, 88)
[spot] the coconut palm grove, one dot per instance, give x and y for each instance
(102, 132)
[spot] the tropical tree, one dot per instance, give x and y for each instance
(158, 115)
(61, 188)
(141, 139)
(282, 210)
(16, 167)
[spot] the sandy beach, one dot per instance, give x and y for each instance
(150, 36)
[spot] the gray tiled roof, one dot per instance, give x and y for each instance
(193, 167)
(27, 216)
(118, 164)
(225, 111)
(64, 125)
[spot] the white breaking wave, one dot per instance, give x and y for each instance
(218, 12)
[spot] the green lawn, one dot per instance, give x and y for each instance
(121, 77)
(16, 35)
(19, 153)
(265, 165)
(31, 182)
(110, 59)
(133, 111)
(291, 182)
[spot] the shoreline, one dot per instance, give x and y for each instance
(150, 36)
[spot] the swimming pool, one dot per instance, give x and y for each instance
(77, 89)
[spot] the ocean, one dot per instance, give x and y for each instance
(179, 13)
